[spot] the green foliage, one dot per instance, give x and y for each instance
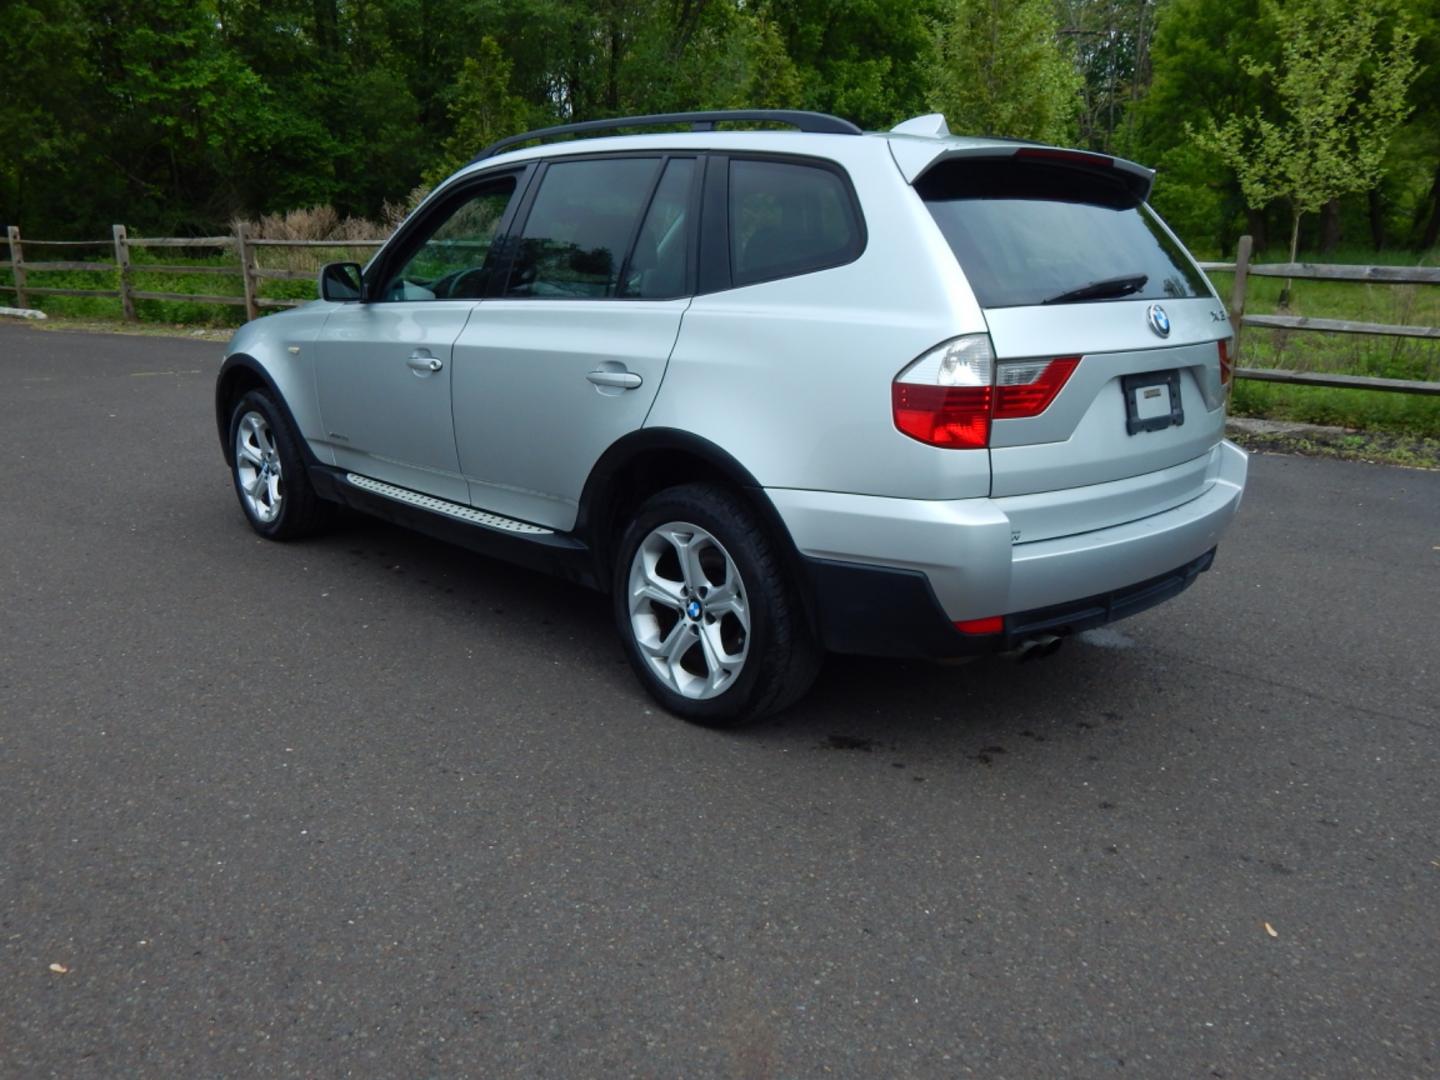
(1344, 354)
(38, 135)
(1195, 76)
(1110, 46)
(1193, 197)
(1341, 95)
(998, 69)
(181, 115)
(482, 109)
(867, 60)
(1415, 155)
(1361, 410)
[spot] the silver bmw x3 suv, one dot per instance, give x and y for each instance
(777, 392)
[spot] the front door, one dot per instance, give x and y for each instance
(384, 367)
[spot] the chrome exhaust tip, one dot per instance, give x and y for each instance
(1034, 647)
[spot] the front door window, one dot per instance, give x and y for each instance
(454, 262)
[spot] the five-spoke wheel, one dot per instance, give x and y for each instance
(269, 471)
(688, 610)
(708, 615)
(257, 467)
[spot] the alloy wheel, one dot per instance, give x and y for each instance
(688, 610)
(257, 467)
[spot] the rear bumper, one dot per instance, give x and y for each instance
(871, 611)
(891, 576)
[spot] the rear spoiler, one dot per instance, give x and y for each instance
(916, 157)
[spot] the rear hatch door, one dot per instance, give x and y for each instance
(1067, 261)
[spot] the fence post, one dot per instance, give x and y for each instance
(122, 265)
(17, 266)
(247, 270)
(1237, 293)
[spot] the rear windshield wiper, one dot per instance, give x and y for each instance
(1105, 289)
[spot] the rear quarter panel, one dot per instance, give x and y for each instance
(793, 377)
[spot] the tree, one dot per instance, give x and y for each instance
(998, 68)
(865, 60)
(482, 109)
(1110, 46)
(40, 129)
(1194, 76)
(1419, 145)
(1341, 95)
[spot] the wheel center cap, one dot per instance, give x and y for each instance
(693, 609)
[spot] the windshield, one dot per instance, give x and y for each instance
(1028, 233)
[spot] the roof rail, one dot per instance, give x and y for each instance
(813, 122)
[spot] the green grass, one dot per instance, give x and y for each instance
(160, 311)
(1344, 354)
(1384, 448)
(1363, 410)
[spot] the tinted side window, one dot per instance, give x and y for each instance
(657, 266)
(787, 219)
(580, 227)
(454, 262)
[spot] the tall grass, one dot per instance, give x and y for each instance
(108, 307)
(319, 223)
(1344, 354)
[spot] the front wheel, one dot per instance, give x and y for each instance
(269, 472)
(709, 621)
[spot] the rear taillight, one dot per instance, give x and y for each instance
(1028, 388)
(950, 395)
(944, 397)
(1226, 371)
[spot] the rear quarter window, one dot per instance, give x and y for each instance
(789, 218)
(1029, 233)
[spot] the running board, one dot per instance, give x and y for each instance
(559, 553)
(444, 506)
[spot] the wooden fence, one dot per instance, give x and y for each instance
(246, 267)
(1244, 269)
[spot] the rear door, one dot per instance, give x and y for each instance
(568, 356)
(1068, 262)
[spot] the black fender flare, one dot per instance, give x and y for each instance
(232, 364)
(600, 495)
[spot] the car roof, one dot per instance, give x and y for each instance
(916, 145)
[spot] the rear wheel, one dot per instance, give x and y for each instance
(710, 623)
(269, 472)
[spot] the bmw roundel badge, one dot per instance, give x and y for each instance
(1159, 321)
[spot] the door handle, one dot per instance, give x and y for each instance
(424, 365)
(623, 380)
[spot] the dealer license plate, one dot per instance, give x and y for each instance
(1152, 401)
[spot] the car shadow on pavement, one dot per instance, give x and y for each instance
(989, 706)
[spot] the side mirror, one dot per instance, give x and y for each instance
(341, 281)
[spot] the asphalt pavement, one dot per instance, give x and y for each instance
(369, 805)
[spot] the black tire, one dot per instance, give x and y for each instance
(781, 657)
(297, 510)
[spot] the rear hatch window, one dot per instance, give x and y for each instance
(1029, 233)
